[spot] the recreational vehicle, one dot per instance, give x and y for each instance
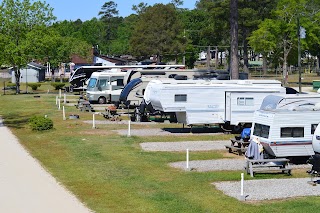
(83, 73)
(230, 103)
(136, 81)
(105, 87)
(316, 140)
(285, 125)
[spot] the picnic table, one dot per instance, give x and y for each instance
(84, 106)
(238, 146)
(268, 165)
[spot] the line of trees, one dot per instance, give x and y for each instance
(29, 31)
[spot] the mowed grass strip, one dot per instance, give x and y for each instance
(110, 173)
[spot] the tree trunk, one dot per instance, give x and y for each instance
(264, 64)
(17, 75)
(245, 52)
(284, 67)
(234, 60)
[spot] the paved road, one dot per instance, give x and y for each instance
(25, 186)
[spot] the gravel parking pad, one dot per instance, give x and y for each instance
(182, 146)
(269, 189)
(211, 165)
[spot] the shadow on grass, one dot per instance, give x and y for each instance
(16, 120)
(193, 130)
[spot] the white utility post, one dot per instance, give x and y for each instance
(63, 113)
(129, 128)
(187, 160)
(93, 121)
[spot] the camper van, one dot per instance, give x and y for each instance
(285, 125)
(230, 103)
(105, 87)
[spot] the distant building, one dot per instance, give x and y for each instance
(32, 73)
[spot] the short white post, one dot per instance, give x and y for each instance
(64, 98)
(63, 113)
(242, 197)
(129, 128)
(56, 100)
(59, 93)
(187, 160)
(93, 121)
(59, 104)
(48, 91)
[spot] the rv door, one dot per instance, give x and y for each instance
(227, 112)
(316, 140)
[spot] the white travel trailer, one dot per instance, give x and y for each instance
(285, 127)
(105, 87)
(225, 102)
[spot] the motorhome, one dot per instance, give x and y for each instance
(80, 76)
(105, 87)
(285, 125)
(230, 103)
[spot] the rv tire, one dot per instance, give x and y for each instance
(237, 129)
(101, 100)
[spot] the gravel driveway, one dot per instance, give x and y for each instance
(183, 146)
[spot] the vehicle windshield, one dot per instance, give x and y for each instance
(92, 83)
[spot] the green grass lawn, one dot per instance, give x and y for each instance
(110, 173)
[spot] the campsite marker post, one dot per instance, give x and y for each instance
(188, 160)
(59, 93)
(242, 197)
(56, 100)
(129, 128)
(93, 121)
(59, 107)
(63, 113)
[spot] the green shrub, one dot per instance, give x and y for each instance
(57, 85)
(10, 84)
(40, 123)
(34, 86)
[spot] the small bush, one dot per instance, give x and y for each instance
(34, 86)
(57, 85)
(10, 84)
(40, 123)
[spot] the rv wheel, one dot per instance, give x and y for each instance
(237, 129)
(102, 100)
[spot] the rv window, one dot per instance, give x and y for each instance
(92, 83)
(292, 132)
(103, 84)
(120, 82)
(261, 130)
(244, 101)
(313, 128)
(180, 98)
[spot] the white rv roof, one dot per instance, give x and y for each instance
(207, 82)
(95, 74)
(282, 101)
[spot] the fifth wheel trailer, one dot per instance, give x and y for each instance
(229, 103)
